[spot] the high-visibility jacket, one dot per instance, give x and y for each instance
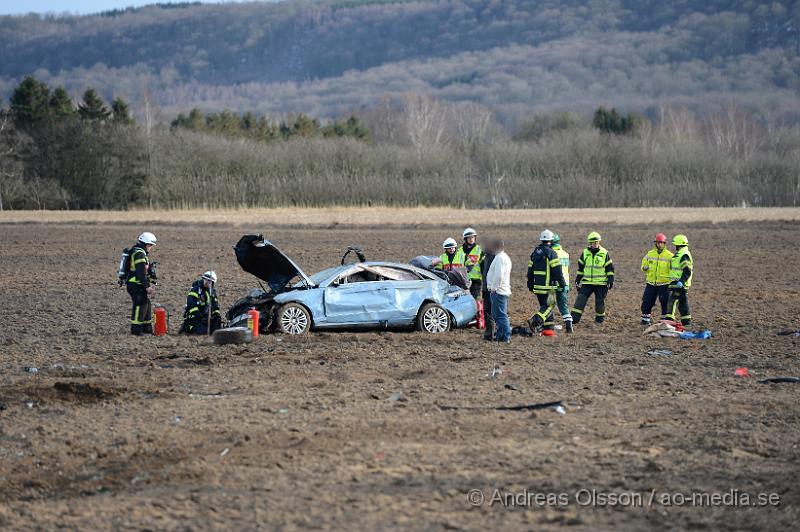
(595, 268)
(450, 262)
(544, 270)
(139, 267)
(197, 301)
(472, 260)
(564, 258)
(658, 266)
(681, 268)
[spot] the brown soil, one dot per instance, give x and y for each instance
(116, 432)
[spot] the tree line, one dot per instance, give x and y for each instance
(414, 150)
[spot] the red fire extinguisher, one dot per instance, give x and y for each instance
(252, 321)
(161, 325)
(481, 319)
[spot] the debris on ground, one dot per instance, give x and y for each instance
(521, 331)
(31, 369)
(225, 451)
(233, 335)
(699, 335)
(780, 379)
(741, 372)
(660, 352)
(511, 387)
(788, 333)
(398, 396)
(662, 328)
(555, 405)
(496, 371)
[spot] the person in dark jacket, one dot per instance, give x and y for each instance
(140, 285)
(485, 263)
(544, 277)
(200, 301)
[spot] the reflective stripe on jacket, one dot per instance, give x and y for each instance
(448, 263)
(595, 268)
(658, 265)
(564, 257)
(472, 261)
(139, 266)
(680, 262)
(544, 270)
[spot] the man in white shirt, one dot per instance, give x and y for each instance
(498, 282)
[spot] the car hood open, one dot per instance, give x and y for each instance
(261, 258)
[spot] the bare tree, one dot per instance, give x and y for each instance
(472, 125)
(425, 120)
(735, 132)
(677, 124)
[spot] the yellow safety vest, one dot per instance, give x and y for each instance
(680, 260)
(471, 262)
(564, 257)
(594, 267)
(447, 264)
(658, 265)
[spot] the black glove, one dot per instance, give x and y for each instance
(610, 285)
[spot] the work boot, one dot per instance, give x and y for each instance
(645, 319)
(599, 319)
(136, 330)
(568, 326)
(147, 328)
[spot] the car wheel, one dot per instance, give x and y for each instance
(294, 318)
(232, 335)
(433, 318)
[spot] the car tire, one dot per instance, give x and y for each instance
(294, 319)
(232, 335)
(433, 319)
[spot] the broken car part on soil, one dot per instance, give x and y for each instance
(555, 405)
(794, 380)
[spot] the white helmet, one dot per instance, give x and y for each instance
(210, 276)
(469, 232)
(450, 243)
(546, 236)
(147, 238)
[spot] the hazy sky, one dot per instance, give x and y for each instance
(15, 7)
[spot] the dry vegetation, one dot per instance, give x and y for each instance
(420, 216)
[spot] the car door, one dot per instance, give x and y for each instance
(361, 303)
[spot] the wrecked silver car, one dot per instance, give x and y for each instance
(362, 294)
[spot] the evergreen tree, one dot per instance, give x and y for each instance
(121, 112)
(61, 104)
(92, 107)
(29, 103)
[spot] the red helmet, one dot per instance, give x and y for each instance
(661, 237)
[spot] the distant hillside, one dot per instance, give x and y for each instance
(329, 57)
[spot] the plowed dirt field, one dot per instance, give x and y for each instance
(117, 432)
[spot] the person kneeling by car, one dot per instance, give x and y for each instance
(196, 315)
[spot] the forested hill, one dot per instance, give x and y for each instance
(325, 57)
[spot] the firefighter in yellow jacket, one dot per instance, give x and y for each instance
(453, 256)
(595, 276)
(680, 280)
(473, 255)
(656, 267)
